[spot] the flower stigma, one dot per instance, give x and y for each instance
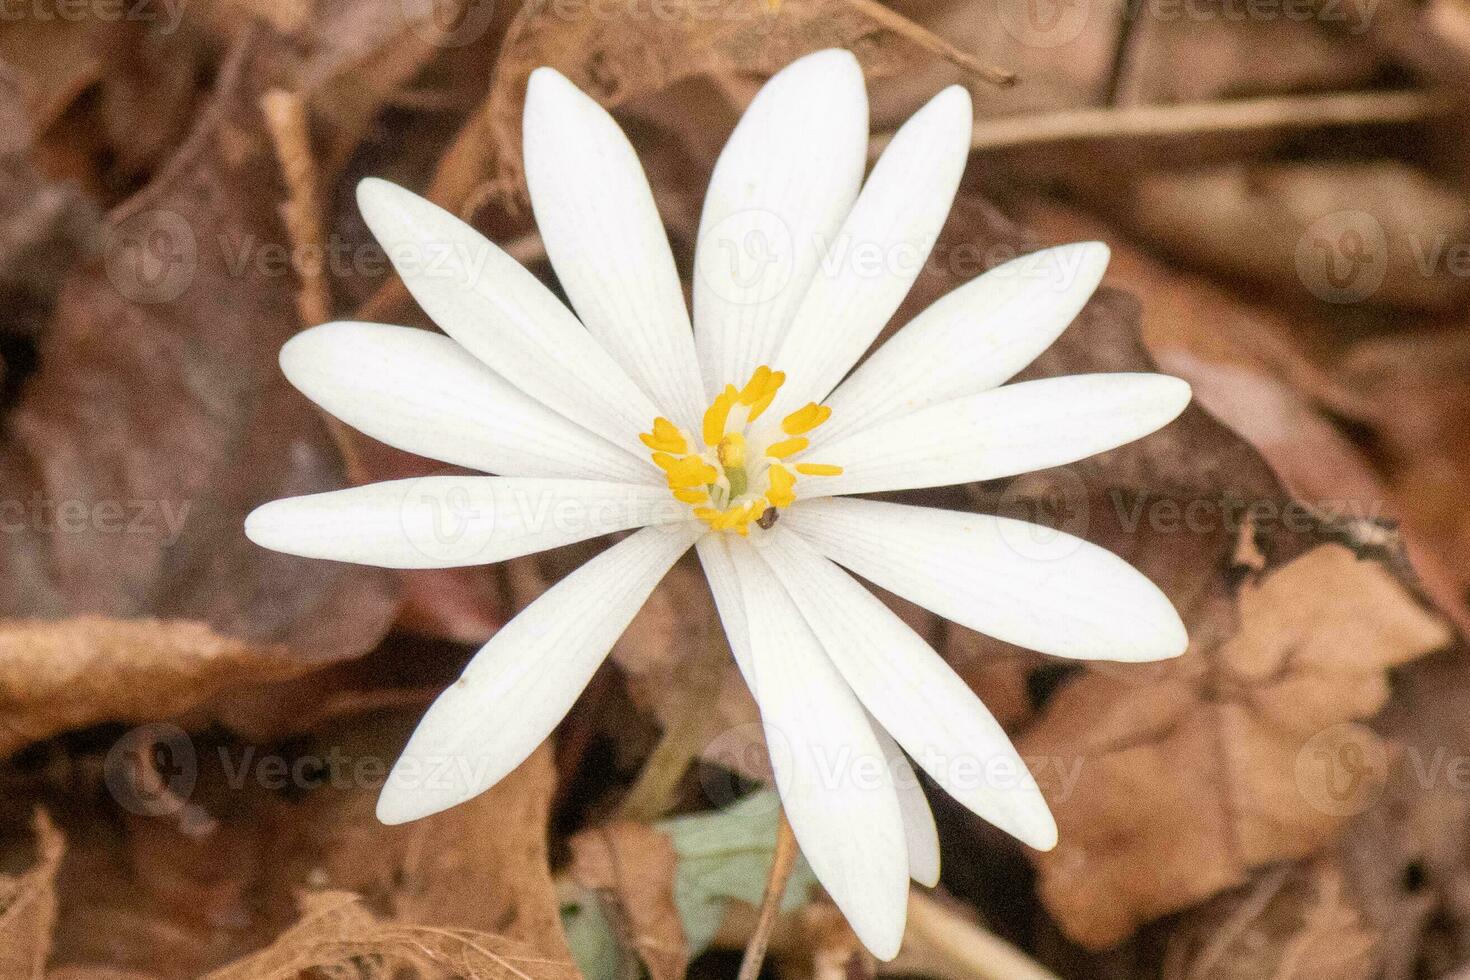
(739, 473)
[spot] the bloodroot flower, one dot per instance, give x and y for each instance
(743, 436)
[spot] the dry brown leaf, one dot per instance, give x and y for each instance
(66, 674)
(28, 906)
(336, 933)
(633, 866)
(1296, 923)
(617, 61)
(1214, 766)
(157, 417)
(1377, 231)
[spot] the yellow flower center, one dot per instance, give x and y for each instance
(739, 473)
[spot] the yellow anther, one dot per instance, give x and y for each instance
(780, 492)
(690, 472)
(665, 437)
(805, 419)
(664, 461)
(787, 447)
(818, 469)
(692, 496)
(755, 388)
(717, 414)
(777, 379)
(731, 450)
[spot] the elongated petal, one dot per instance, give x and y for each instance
(919, 833)
(423, 393)
(724, 584)
(503, 315)
(869, 267)
(913, 693)
(527, 677)
(607, 243)
(830, 769)
(780, 190)
(1015, 429)
(971, 340)
(1030, 586)
(453, 521)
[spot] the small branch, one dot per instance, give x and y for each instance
(782, 862)
(301, 213)
(701, 675)
(940, 941)
(907, 29)
(1204, 118)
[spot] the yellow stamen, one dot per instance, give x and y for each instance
(665, 437)
(692, 496)
(780, 493)
(787, 447)
(818, 469)
(717, 414)
(690, 472)
(731, 450)
(755, 388)
(777, 379)
(805, 419)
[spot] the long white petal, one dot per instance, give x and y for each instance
(453, 521)
(1031, 586)
(779, 192)
(724, 584)
(919, 833)
(868, 268)
(604, 237)
(527, 677)
(971, 340)
(1002, 432)
(912, 692)
(830, 770)
(503, 315)
(423, 393)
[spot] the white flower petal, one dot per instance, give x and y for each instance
(780, 190)
(454, 521)
(527, 677)
(868, 268)
(1002, 432)
(607, 243)
(719, 571)
(973, 339)
(423, 393)
(919, 833)
(830, 770)
(1031, 586)
(912, 692)
(503, 315)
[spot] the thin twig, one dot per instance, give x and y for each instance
(952, 946)
(301, 213)
(1203, 118)
(907, 29)
(782, 862)
(652, 795)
